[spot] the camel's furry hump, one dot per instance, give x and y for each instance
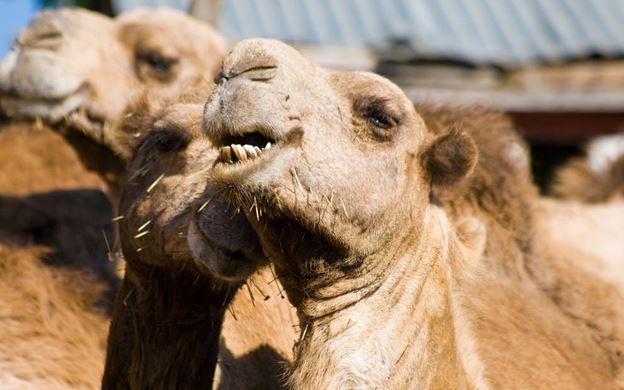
(500, 188)
(52, 334)
(598, 176)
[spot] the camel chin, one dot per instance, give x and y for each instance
(220, 262)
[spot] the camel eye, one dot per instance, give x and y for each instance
(166, 141)
(172, 143)
(156, 61)
(381, 119)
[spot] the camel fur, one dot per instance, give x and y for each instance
(356, 206)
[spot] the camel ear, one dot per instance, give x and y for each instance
(450, 159)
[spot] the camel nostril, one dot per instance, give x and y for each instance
(260, 73)
(219, 78)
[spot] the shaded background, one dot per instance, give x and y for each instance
(556, 66)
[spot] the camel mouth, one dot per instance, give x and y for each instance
(66, 113)
(243, 148)
(68, 108)
(221, 262)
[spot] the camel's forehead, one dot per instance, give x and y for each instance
(369, 84)
(171, 31)
(265, 53)
(167, 22)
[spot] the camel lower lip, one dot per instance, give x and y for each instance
(52, 109)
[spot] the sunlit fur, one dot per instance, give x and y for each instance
(365, 235)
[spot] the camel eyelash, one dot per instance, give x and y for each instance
(375, 111)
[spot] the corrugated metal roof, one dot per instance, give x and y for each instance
(127, 5)
(506, 32)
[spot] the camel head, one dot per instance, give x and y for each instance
(327, 165)
(78, 70)
(168, 188)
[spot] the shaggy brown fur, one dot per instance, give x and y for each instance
(74, 224)
(64, 211)
(387, 294)
(39, 160)
(52, 335)
(500, 189)
(53, 299)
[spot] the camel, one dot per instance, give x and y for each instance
(53, 130)
(356, 203)
(167, 319)
(119, 151)
(157, 53)
(94, 66)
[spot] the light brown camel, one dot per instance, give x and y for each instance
(164, 51)
(74, 72)
(167, 318)
(352, 204)
(78, 71)
(92, 66)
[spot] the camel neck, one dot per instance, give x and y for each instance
(399, 336)
(165, 330)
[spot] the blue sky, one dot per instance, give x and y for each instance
(14, 14)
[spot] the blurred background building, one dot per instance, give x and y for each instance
(556, 66)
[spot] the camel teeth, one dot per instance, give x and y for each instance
(226, 154)
(251, 152)
(240, 153)
(236, 152)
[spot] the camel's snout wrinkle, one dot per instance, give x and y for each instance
(252, 59)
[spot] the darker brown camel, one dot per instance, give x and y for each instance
(176, 232)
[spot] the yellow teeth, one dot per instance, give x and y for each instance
(241, 153)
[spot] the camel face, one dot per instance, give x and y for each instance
(78, 69)
(168, 188)
(333, 155)
(48, 69)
